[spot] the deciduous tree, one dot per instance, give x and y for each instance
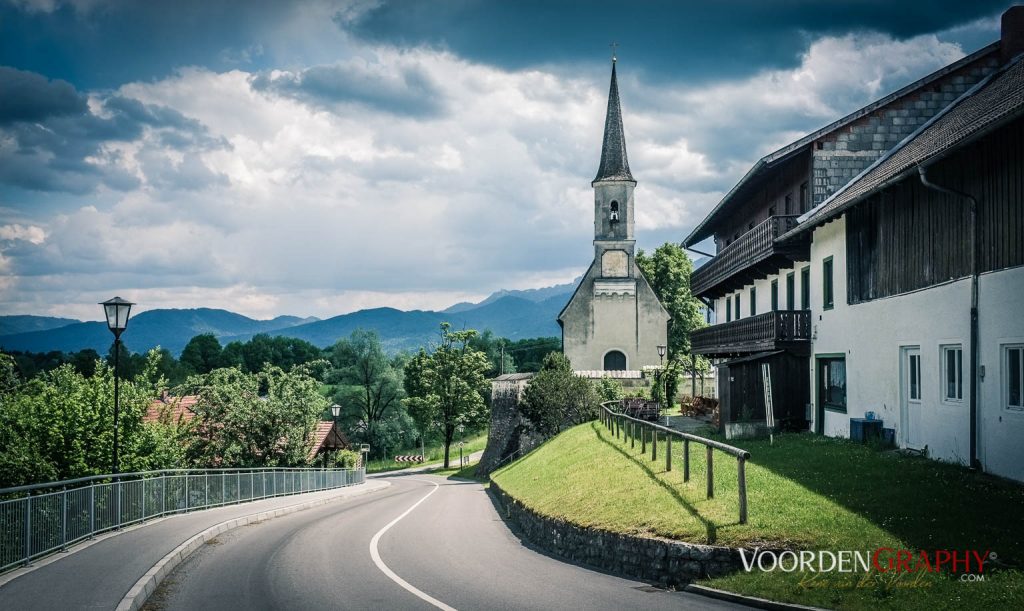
(447, 385)
(556, 397)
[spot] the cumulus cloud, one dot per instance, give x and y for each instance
(396, 84)
(26, 96)
(53, 138)
(410, 178)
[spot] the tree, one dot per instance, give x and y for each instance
(369, 386)
(609, 389)
(556, 397)
(669, 270)
(447, 385)
(495, 348)
(529, 353)
(237, 426)
(59, 425)
(202, 354)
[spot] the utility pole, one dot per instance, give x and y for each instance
(501, 367)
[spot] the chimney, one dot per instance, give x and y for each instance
(1011, 42)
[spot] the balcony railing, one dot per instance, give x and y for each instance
(767, 331)
(751, 248)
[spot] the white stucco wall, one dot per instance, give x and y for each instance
(1000, 322)
(872, 334)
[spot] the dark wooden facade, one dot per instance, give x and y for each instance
(909, 237)
(754, 255)
(775, 193)
(780, 329)
(742, 389)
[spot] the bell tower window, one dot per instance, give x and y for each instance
(614, 216)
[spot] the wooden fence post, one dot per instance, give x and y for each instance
(686, 460)
(643, 440)
(741, 472)
(711, 472)
(668, 452)
(654, 444)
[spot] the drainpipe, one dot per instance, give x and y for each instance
(923, 173)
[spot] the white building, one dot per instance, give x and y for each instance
(863, 302)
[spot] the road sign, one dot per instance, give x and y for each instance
(462, 444)
(409, 458)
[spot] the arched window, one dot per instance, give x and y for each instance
(614, 361)
(615, 212)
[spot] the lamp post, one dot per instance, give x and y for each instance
(335, 412)
(461, 429)
(117, 311)
(664, 383)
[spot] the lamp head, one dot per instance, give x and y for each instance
(117, 311)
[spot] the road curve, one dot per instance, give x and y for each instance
(452, 546)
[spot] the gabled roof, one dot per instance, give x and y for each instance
(614, 163)
(993, 102)
(323, 439)
(704, 229)
(177, 409)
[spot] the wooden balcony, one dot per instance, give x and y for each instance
(784, 329)
(754, 255)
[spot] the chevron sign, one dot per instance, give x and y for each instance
(416, 458)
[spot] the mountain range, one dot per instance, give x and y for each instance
(511, 314)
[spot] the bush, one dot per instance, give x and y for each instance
(343, 459)
(557, 398)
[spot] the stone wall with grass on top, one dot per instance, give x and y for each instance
(657, 561)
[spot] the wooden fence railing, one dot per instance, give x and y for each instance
(629, 429)
(751, 247)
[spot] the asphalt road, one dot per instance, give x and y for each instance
(453, 547)
(97, 576)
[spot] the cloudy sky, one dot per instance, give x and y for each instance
(321, 157)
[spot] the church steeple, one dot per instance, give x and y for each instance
(614, 164)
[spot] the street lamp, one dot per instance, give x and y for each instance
(664, 382)
(461, 429)
(335, 412)
(117, 311)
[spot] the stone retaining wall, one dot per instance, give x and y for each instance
(658, 561)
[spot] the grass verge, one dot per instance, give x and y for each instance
(805, 493)
(434, 453)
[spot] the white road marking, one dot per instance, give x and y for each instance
(391, 574)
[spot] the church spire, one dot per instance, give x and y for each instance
(614, 164)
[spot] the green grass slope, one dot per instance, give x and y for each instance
(805, 492)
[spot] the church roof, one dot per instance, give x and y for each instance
(614, 164)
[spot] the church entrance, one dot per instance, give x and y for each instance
(615, 361)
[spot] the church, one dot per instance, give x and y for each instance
(614, 321)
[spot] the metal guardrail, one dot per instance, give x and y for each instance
(628, 429)
(52, 516)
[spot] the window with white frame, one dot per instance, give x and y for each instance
(952, 373)
(1013, 376)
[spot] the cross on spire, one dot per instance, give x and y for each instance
(613, 45)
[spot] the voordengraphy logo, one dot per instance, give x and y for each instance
(883, 560)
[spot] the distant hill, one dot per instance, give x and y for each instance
(26, 323)
(170, 329)
(511, 314)
(535, 295)
(510, 317)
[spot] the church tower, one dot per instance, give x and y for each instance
(614, 320)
